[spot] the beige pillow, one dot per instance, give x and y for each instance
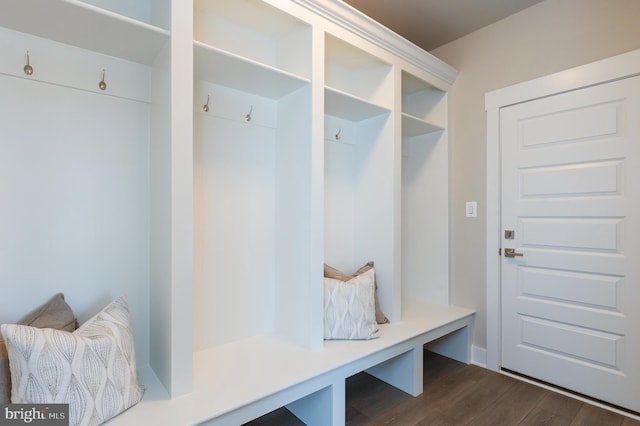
(330, 272)
(92, 369)
(55, 313)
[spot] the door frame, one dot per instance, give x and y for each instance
(603, 71)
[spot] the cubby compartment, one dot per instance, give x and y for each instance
(359, 194)
(356, 75)
(359, 221)
(259, 35)
(252, 187)
(424, 193)
(422, 108)
(85, 113)
(74, 181)
(251, 207)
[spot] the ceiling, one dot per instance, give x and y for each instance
(433, 23)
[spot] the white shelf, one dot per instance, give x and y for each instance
(423, 105)
(85, 26)
(413, 126)
(351, 70)
(343, 105)
(257, 31)
(228, 69)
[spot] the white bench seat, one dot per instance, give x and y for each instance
(239, 381)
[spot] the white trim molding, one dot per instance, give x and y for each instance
(353, 20)
(478, 356)
(606, 70)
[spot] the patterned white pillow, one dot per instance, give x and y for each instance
(349, 308)
(92, 369)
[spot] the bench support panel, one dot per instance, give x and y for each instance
(455, 345)
(324, 407)
(403, 371)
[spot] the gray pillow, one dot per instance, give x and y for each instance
(55, 313)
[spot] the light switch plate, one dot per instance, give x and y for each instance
(471, 209)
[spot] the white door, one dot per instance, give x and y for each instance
(571, 196)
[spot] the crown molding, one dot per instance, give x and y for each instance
(351, 19)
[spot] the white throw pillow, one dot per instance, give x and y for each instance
(92, 369)
(349, 308)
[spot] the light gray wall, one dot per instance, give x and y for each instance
(552, 36)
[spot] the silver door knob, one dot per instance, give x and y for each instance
(509, 252)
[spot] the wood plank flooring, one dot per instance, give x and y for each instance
(458, 394)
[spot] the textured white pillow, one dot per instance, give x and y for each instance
(349, 308)
(92, 369)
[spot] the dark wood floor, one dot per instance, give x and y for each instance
(459, 394)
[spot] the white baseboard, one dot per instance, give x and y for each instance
(478, 356)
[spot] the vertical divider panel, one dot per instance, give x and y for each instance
(317, 188)
(394, 296)
(171, 153)
(182, 197)
(298, 306)
(160, 220)
(296, 293)
(374, 210)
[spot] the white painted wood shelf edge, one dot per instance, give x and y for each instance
(350, 107)
(414, 126)
(238, 374)
(244, 74)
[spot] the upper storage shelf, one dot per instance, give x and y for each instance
(413, 126)
(86, 26)
(422, 108)
(354, 72)
(349, 107)
(253, 40)
(225, 68)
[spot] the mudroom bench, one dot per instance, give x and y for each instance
(240, 381)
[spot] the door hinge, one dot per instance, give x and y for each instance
(500, 251)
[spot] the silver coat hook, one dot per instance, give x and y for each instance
(102, 85)
(338, 134)
(28, 69)
(248, 116)
(205, 107)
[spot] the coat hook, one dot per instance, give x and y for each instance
(248, 116)
(338, 134)
(28, 69)
(102, 85)
(205, 107)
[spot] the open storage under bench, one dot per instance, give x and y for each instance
(240, 381)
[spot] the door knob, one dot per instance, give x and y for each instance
(509, 252)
